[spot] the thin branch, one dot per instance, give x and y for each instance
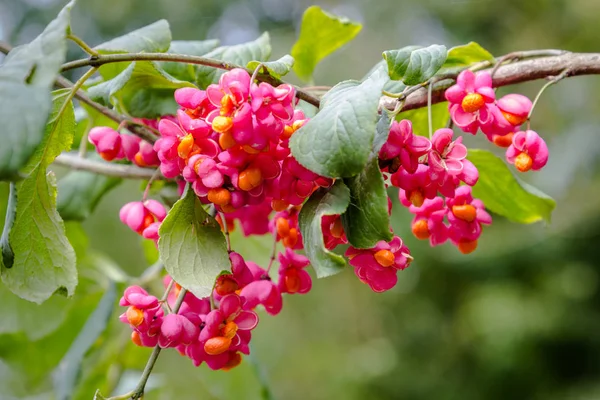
(209, 62)
(84, 46)
(510, 74)
(552, 81)
(75, 162)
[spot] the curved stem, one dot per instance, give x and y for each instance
(552, 81)
(84, 46)
(102, 59)
(429, 116)
(154, 177)
(226, 231)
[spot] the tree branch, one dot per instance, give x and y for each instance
(102, 59)
(510, 74)
(75, 162)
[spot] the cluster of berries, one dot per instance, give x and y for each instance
(230, 144)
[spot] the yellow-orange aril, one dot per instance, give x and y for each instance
(421, 229)
(185, 146)
(385, 258)
(217, 345)
(222, 124)
(472, 102)
(523, 162)
(466, 212)
(250, 178)
(219, 196)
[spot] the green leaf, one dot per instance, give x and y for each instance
(504, 194)
(418, 117)
(150, 251)
(277, 68)
(467, 54)
(153, 38)
(239, 54)
(415, 64)
(143, 89)
(338, 140)
(80, 191)
(382, 131)
(192, 246)
(184, 71)
(321, 33)
(366, 221)
(44, 260)
(26, 77)
(322, 202)
(68, 371)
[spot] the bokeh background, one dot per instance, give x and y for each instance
(518, 319)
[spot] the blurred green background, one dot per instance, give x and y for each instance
(518, 319)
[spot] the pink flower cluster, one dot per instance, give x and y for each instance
(426, 172)
(230, 145)
(111, 145)
(473, 106)
(216, 336)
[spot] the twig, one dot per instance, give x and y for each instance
(510, 74)
(209, 62)
(82, 44)
(154, 177)
(73, 161)
(552, 81)
(273, 253)
(226, 231)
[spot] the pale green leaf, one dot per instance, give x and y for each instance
(322, 202)
(337, 142)
(467, 54)
(504, 194)
(277, 68)
(153, 38)
(192, 246)
(143, 89)
(239, 54)
(321, 33)
(44, 260)
(415, 64)
(185, 71)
